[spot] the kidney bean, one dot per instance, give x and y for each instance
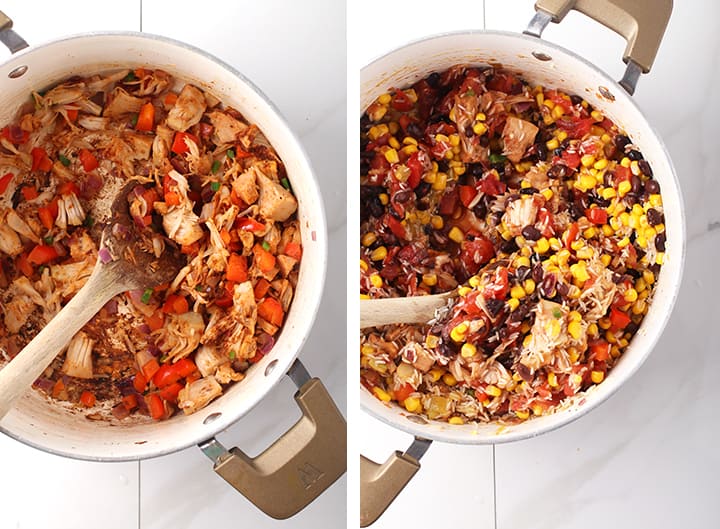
(537, 273)
(547, 287)
(652, 187)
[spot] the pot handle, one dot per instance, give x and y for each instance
(12, 40)
(300, 465)
(381, 483)
(641, 22)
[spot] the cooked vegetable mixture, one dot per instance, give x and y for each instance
(538, 208)
(208, 183)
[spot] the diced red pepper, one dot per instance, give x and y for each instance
(618, 319)
(271, 310)
(46, 217)
(150, 368)
(263, 259)
(249, 224)
(5, 182)
(491, 185)
(156, 320)
(170, 392)
(294, 250)
(72, 114)
(140, 382)
(155, 406)
(467, 195)
(166, 375)
(88, 399)
(15, 134)
(184, 367)
(42, 254)
(175, 304)
(67, 188)
(261, 288)
(401, 101)
(172, 198)
(395, 226)
(403, 392)
(29, 192)
(40, 160)
(416, 170)
(146, 118)
(179, 146)
(600, 350)
(237, 268)
(571, 235)
(498, 287)
(571, 159)
(597, 215)
(622, 174)
(22, 264)
(130, 401)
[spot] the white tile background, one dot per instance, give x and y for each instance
(648, 456)
(295, 53)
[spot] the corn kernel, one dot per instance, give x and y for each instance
(562, 136)
(540, 98)
(606, 259)
(605, 138)
(379, 253)
(367, 349)
(525, 251)
(625, 162)
(529, 286)
(587, 160)
(440, 182)
(429, 279)
(437, 222)
(575, 329)
(597, 376)
(597, 115)
(409, 149)
(547, 193)
(517, 292)
(368, 239)
(586, 252)
(631, 295)
(493, 390)
(593, 329)
(522, 414)
(480, 117)
(635, 168)
(385, 99)
(363, 266)
(522, 261)
(549, 103)
(432, 341)
(610, 336)
(552, 144)
(660, 258)
(435, 373)
(381, 394)
(639, 307)
(456, 234)
(391, 155)
(655, 200)
(468, 350)
(394, 143)
(376, 280)
(513, 303)
(449, 379)
(586, 182)
(384, 198)
(456, 420)
(459, 331)
(608, 193)
(479, 128)
(590, 232)
(412, 404)
(557, 112)
(574, 354)
(538, 409)
(527, 341)
(649, 277)
(464, 291)
(542, 245)
(454, 140)
(600, 164)
(622, 243)
(552, 380)
(579, 271)
(474, 281)
(506, 235)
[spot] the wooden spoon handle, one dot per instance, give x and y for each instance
(18, 375)
(416, 309)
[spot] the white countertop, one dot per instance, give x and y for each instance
(647, 457)
(295, 53)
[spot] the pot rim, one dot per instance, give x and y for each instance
(563, 416)
(321, 249)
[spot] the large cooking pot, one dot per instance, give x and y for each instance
(642, 23)
(311, 455)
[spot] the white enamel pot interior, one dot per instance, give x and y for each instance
(571, 73)
(56, 429)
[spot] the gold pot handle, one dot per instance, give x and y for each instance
(641, 22)
(381, 483)
(12, 40)
(300, 465)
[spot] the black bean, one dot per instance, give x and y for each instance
(636, 184)
(542, 151)
(364, 167)
(476, 169)
(531, 233)
(445, 347)
(537, 273)
(484, 140)
(631, 199)
(557, 152)
(422, 189)
(423, 204)
(494, 306)
(652, 187)
(506, 359)
(528, 191)
(414, 130)
(558, 171)
(402, 196)
(654, 217)
(522, 272)
(547, 287)
(621, 141)
(563, 289)
(660, 242)
(576, 210)
(617, 278)
(433, 79)
(575, 99)
(437, 117)
(480, 210)
(376, 207)
(635, 155)
(509, 246)
(645, 167)
(632, 327)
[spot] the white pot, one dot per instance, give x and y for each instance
(574, 75)
(53, 428)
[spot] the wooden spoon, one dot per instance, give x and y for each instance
(125, 267)
(415, 309)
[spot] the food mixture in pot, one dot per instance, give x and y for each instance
(208, 183)
(537, 208)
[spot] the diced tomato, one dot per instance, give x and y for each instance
(571, 234)
(401, 101)
(467, 195)
(29, 192)
(22, 264)
(190, 249)
(237, 268)
(416, 169)
(15, 134)
(403, 392)
(130, 401)
(175, 304)
(87, 399)
(498, 288)
(146, 118)
(271, 310)
(294, 250)
(491, 185)
(5, 182)
(255, 359)
(476, 253)
(179, 146)
(170, 392)
(172, 198)
(576, 128)
(571, 159)
(155, 406)
(480, 395)
(46, 217)
(150, 368)
(166, 375)
(88, 160)
(545, 222)
(622, 174)
(618, 319)
(559, 100)
(503, 82)
(264, 260)
(140, 382)
(192, 377)
(404, 121)
(261, 288)
(42, 254)
(72, 114)
(67, 188)
(597, 215)
(449, 202)
(40, 160)
(395, 226)
(184, 367)
(249, 224)
(440, 149)
(170, 99)
(600, 350)
(58, 388)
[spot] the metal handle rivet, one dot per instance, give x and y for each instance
(270, 367)
(18, 72)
